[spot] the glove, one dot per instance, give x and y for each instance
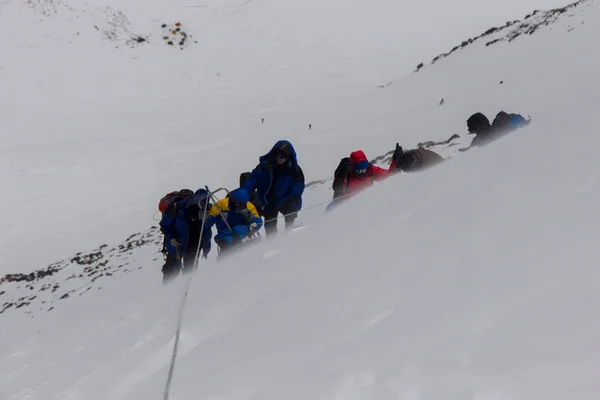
(397, 153)
(175, 242)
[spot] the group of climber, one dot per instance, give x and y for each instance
(274, 186)
(356, 173)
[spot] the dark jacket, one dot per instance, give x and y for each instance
(278, 187)
(503, 124)
(185, 226)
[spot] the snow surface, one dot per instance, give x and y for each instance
(474, 280)
(96, 128)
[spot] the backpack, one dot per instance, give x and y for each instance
(340, 176)
(166, 205)
(505, 121)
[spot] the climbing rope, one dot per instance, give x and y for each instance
(187, 288)
(321, 204)
(177, 336)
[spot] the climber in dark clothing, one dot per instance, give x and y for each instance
(503, 124)
(415, 159)
(279, 183)
(182, 227)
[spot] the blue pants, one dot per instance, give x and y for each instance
(227, 237)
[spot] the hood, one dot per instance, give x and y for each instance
(239, 196)
(357, 156)
(199, 198)
(478, 123)
(284, 146)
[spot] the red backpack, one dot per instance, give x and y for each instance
(166, 205)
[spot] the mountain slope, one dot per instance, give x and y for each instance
(474, 280)
(99, 125)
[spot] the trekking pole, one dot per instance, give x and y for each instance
(214, 198)
(197, 259)
(219, 209)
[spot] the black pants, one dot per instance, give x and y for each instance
(174, 265)
(270, 215)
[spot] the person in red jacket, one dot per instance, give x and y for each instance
(356, 173)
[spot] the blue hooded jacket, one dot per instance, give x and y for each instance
(278, 187)
(179, 226)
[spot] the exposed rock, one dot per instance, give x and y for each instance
(534, 21)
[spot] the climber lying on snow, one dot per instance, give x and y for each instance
(503, 124)
(415, 159)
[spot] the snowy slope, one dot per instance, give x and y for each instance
(97, 126)
(475, 280)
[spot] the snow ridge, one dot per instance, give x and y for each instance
(510, 31)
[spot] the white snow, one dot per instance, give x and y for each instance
(474, 280)
(94, 134)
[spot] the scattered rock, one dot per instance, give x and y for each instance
(6, 306)
(518, 28)
(88, 258)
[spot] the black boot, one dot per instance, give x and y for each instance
(290, 217)
(188, 267)
(189, 258)
(171, 268)
(270, 216)
(224, 249)
(289, 221)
